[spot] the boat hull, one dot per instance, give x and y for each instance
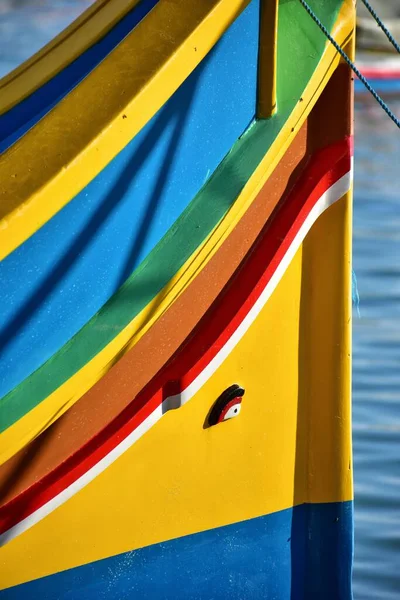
(265, 557)
(198, 446)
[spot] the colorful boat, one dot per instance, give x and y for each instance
(175, 185)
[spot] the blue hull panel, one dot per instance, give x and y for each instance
(303, 553)
(59, 278)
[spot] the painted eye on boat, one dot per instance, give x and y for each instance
(227, 406)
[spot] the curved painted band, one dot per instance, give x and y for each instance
(38, 177)
(132, 372)
(74, 40)
(141, 363)
(327, 179)
(67, 271)
(26, 113)
(266, 147)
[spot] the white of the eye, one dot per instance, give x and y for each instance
(233, 411)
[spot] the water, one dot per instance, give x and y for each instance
(376, 373)
(376, 355)
(27, 25)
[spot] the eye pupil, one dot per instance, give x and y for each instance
(235, 410)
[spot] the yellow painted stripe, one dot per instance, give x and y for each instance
(85, 31)
(291, 443)
(39, 175)
(56, 404)
(34, 422)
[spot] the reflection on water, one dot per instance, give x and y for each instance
(376, 366)
(26, 25)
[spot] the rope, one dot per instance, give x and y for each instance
(361, 77)
(382, 26)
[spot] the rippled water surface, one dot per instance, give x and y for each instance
(26, 25)
(376, 355)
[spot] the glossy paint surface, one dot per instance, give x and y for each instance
(112, 393)
(181, 478)
(76, 261)
(39, 177)
(217, 335)
(305, 551)
(302, 553)
(205, 210)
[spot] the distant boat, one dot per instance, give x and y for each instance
(175, 326)
(382, 70)
(376, 56)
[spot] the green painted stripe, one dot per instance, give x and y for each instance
(300, 47)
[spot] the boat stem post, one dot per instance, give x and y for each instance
(267, 103)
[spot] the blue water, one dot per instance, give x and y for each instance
(376, 354)
(25, 25)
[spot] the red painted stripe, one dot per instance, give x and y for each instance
(325, 169)
(211, 334)
(380, 73)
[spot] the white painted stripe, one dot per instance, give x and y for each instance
(334, 193)
(80, 483)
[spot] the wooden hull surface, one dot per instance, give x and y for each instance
(207, 251)
(99, 238)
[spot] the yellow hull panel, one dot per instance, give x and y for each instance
(291, 443)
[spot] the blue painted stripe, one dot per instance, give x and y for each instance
(59, 278)
(303, 553)
(18, 120)
(382, 86)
